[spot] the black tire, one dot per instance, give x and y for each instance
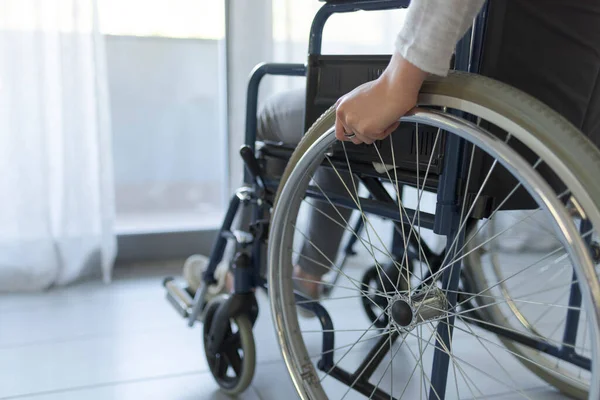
(234, 342)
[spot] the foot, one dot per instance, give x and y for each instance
(193, 271)
(229, 283)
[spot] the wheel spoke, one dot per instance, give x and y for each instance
(364, 369)
(461, 360)
(419, 363)
(401, 211)
(518, 300)
(464, 316)
(366, 222)
(351, 347)
(329, 299)
(468, 240)
(336, 285)
(335, 269)
(347, 345)
(347, 225)
(515, 274)
(234, 359)
(516, 354)
(338, 270)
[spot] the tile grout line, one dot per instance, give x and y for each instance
(256, 392)
(90, 336)
(105, 384)
(530, 390)
(126, 382)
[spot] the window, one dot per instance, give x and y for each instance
(373, 30)
(46, 16)
(166, 83)
(200, 19)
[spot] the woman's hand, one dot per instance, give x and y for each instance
(372, 110)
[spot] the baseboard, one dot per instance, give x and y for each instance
(163, 245)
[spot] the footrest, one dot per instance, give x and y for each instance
(179, 297)
(242, 238)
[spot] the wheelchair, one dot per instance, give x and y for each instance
(467, 321)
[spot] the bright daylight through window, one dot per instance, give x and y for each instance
(166, 74)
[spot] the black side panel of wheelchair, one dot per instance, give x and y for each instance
(501, 187)
(332, 76)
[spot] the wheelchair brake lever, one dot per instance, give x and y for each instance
(252, 166)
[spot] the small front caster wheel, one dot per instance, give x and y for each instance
(234, 363)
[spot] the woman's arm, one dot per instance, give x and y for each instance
(424, 46)
(431, 30)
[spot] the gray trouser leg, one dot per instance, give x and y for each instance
(282, 119)
(325, 225)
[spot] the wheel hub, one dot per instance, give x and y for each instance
(402, 312)
(408, 312)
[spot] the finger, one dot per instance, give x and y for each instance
(382, 135)
(339, 127)
(352, 137)
(348, 134)
(368, 139)
(356, 140)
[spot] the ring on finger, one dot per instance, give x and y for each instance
(349, 135)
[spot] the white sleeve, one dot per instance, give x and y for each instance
(431, 30)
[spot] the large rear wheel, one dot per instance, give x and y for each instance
(440, 340)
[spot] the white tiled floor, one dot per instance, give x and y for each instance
(123, 341)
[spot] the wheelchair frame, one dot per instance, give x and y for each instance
(257, 194)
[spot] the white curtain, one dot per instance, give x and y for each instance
(56, 185)
(248, 36)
